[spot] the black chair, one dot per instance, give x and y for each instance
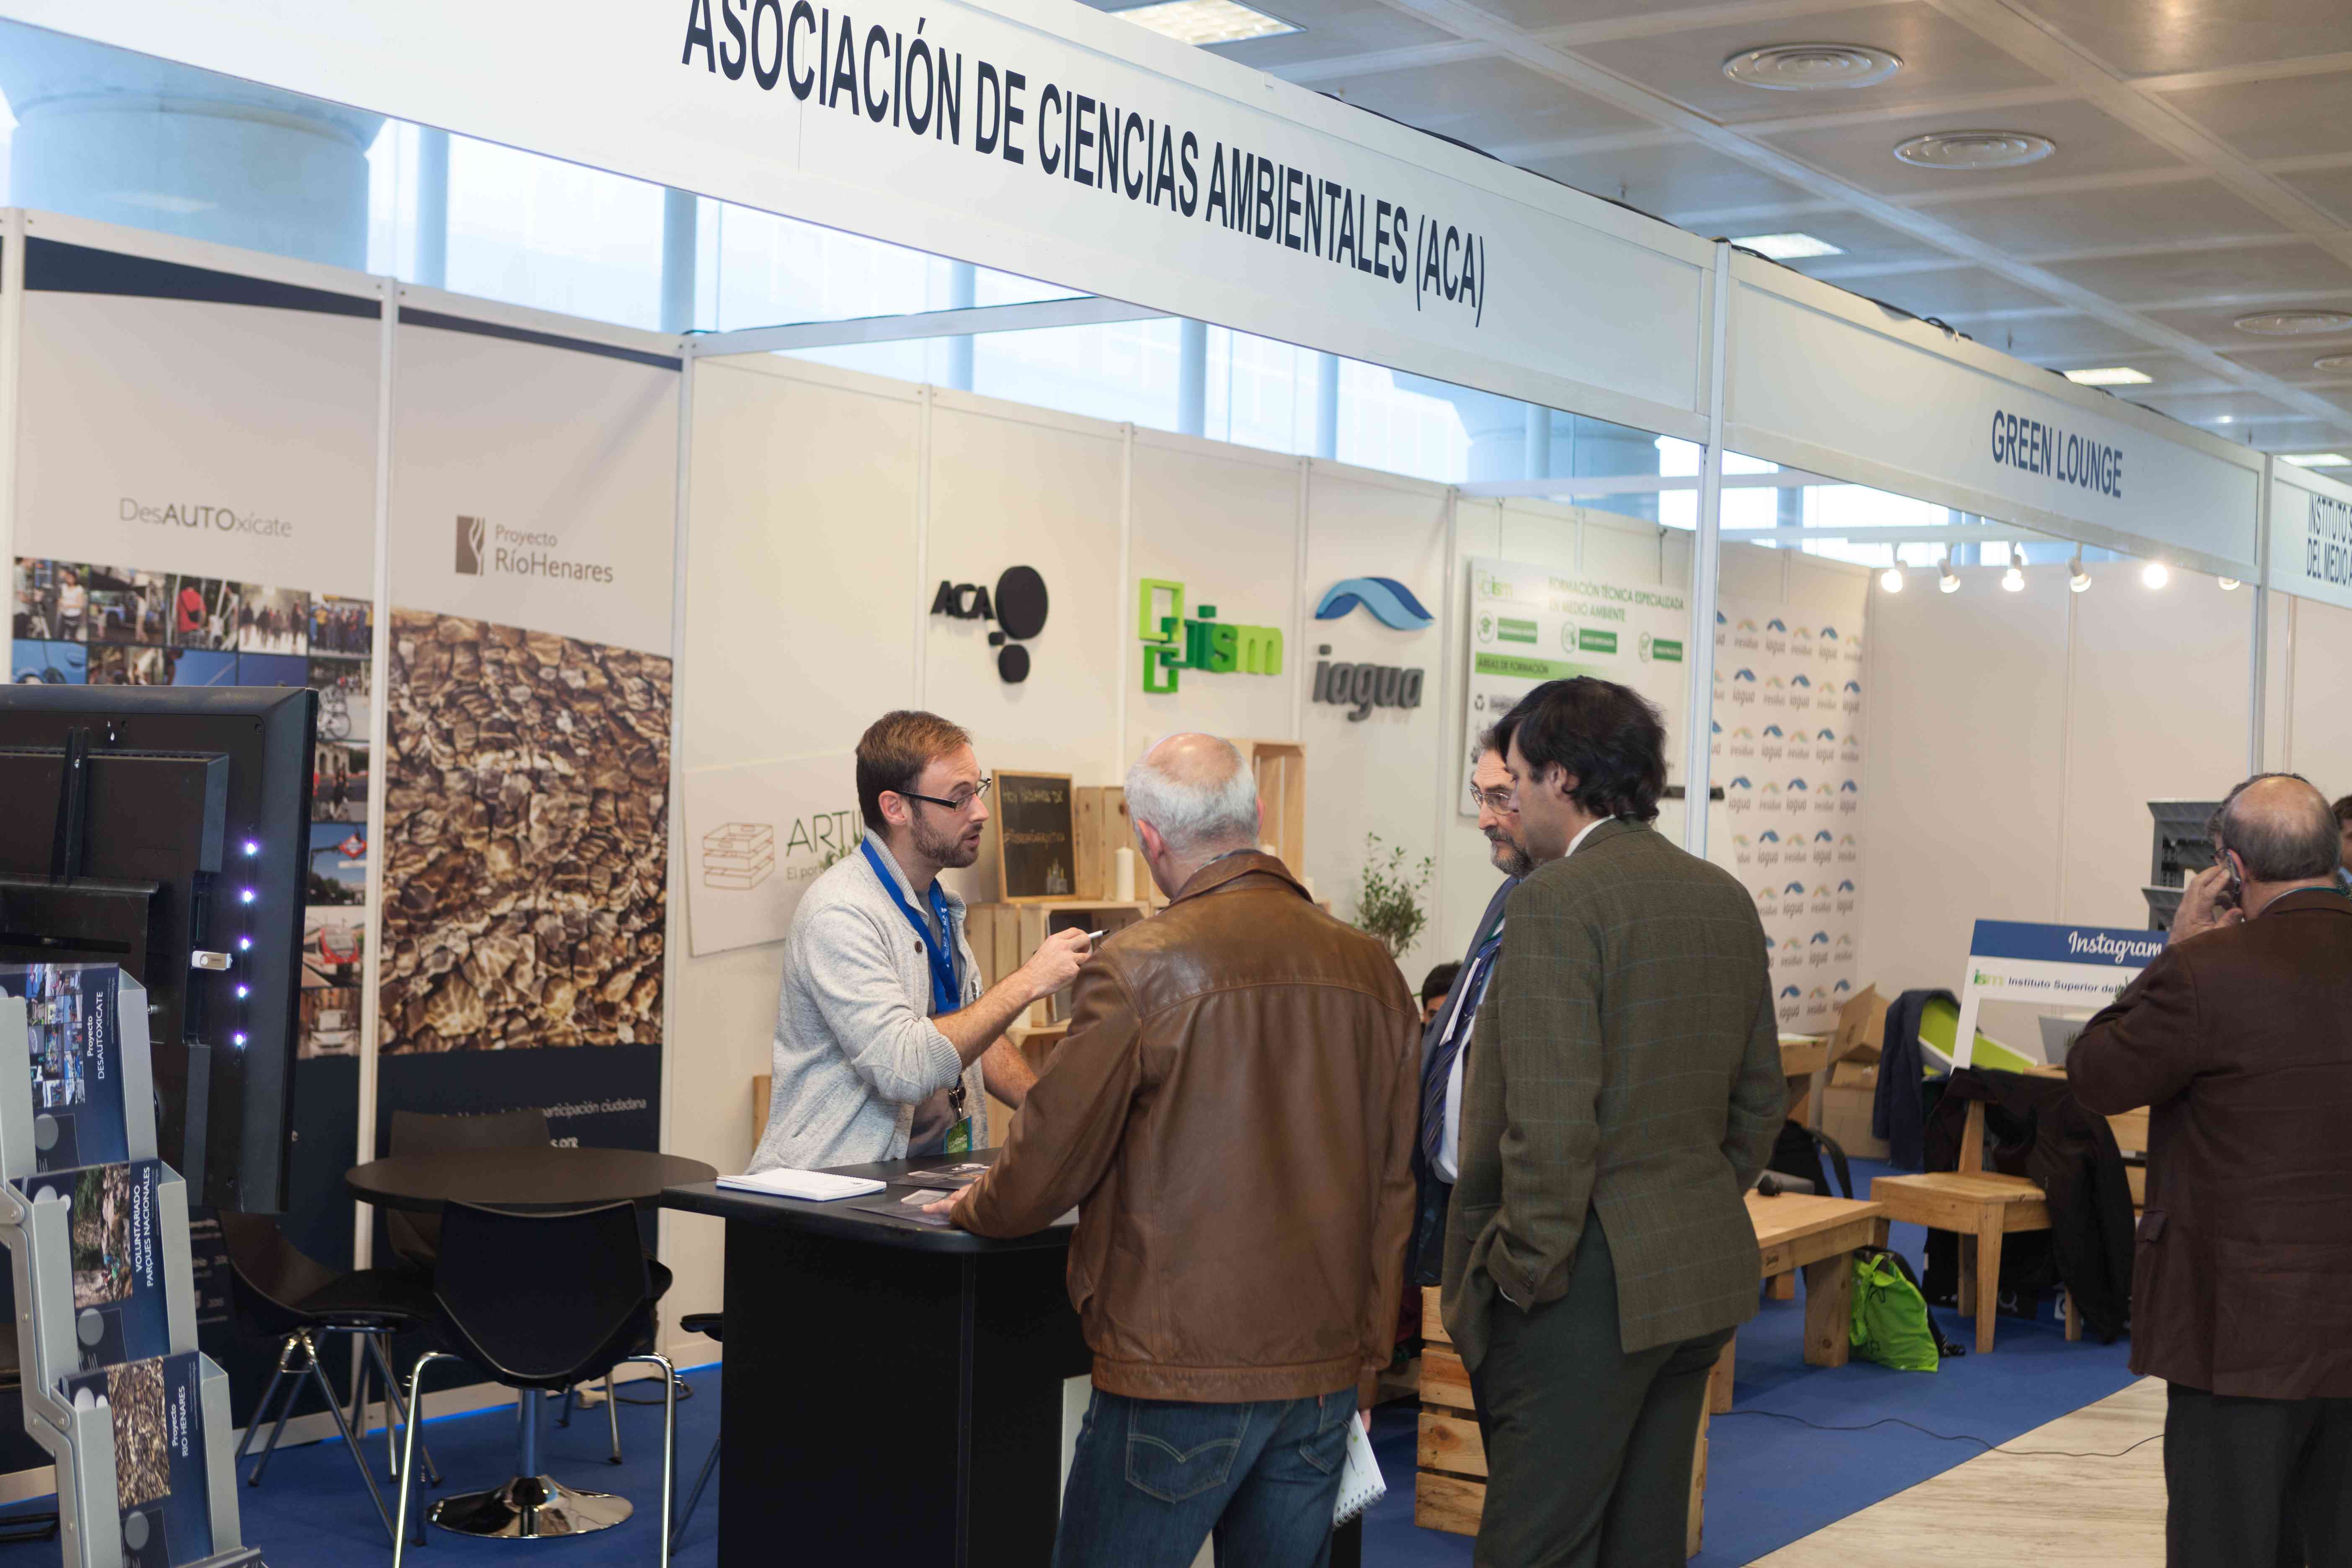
(416, 1238)
(20, 1527)
(709, 1324)
(540, 1302)
(281, 1292)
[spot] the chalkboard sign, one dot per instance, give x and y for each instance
(1037, 845)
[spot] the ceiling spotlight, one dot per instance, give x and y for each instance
(1975, 148)
(1948, 580)
(1787, 247)
(2077, 578)
(1206, 21)
(2225, 419)
(2317, 459)
(2156, 574)
(2229, 584)
(1891, 579)
(2109, 376)
(2013, 580)
(2293, 324)
(1811, 68)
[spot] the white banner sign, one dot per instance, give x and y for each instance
(1528, 624)
(2082, 968)
(757, 835)
(1038, 136)
(2311, 538)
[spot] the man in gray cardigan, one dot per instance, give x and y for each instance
(882, 1024)
(1623, 1088)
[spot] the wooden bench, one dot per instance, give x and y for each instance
(1795, 1232)
(1982, 1206)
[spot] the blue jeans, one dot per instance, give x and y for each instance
(1153, 1478)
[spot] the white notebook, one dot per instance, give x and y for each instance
(814, 1186)
(1360, 1483)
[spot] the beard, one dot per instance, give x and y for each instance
(950, 851)
(1510, 858)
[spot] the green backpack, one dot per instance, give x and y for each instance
(1891, 1324)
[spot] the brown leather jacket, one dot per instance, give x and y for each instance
(1233, 1112)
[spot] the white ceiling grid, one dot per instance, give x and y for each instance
(2203, 166)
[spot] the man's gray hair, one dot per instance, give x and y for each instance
(1193, 812)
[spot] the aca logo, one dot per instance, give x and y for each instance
(1775, 743)
(1388, 601)
(1017, 606)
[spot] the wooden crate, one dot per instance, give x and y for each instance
(1281, 770)
(1449, 1483)
(1016, 930)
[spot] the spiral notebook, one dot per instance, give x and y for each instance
(1360, 1483)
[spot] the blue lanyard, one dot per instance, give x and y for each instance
(946, 995)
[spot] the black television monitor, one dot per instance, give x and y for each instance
(166, 829)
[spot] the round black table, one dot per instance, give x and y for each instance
(531, 1179)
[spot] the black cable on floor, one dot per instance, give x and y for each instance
(1950, 1437)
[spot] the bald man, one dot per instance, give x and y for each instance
(1233, 1116)
(2239, 1036)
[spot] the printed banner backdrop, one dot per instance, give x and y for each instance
(526, 807)
(757, 834)
(1788, 756)
(1528, 624)
(195, 506)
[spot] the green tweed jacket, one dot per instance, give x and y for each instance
(1627, 1063)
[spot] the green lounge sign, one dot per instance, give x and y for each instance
(1173, 642)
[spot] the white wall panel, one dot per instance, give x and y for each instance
(2322, 692)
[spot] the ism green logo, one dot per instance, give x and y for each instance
(1173, 641)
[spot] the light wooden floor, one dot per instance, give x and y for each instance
(2002, 1508)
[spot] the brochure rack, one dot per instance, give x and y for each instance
(51, 1331)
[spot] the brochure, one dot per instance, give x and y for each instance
(159, 1457)
(946, 1179)
(75, 1040)
(117, 1243)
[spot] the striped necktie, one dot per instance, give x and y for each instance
(1457, 1034)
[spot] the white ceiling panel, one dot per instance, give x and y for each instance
(1488, 103)
(2075, 220)
(1328, 28)
(2247, 272)
(2213, 325)
(2089, 142)
(2331, 188)
(2146, 37)
(1949, 292)
(1941, 59)
(1678, 177)
(2290, 118)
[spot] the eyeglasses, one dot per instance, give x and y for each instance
(962, 802)
(1499, 801)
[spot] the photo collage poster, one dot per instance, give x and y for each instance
(1788, 754)
(79, 622)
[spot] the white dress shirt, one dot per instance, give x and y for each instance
(1465, 1013)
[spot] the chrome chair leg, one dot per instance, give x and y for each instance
(293, 1395)
(262, 1411)
(613, 1416)
(397, 1410)
(408, 1452)
(694, 1498)
(669, 1440)
(335, 1408)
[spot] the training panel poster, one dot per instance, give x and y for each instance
(1528, 624)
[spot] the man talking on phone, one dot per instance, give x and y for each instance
(2239, 1036)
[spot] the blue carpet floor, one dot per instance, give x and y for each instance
(1770, 1481)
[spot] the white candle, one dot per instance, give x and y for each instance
(1123, 875)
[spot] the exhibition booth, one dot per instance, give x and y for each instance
(598, 614)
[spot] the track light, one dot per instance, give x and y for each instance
(2077, 578)
(2229, 584)
(2013, 580)
(1947, 580)
(2156, 574)
(1891, 579)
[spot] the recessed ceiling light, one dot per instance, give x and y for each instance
(2293, 323)
(2225, 419)
(2156, 574)
(2332, 362)
(2013, 580)
(2109, 376)
(1204, 22)
(1788, 246)
(1809, 68)
(2317, 459)
(1975, 148)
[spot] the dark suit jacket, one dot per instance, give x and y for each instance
(1629, 1050)
(1425, 1253)
(2242, 1040)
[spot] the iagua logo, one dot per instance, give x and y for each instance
(471, 533)
(487, 549)
(1367, 686)
(186, 514)
(1172, 642)
(1390, 602)
(1018, 609)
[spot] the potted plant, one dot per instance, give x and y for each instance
(1387, 904)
